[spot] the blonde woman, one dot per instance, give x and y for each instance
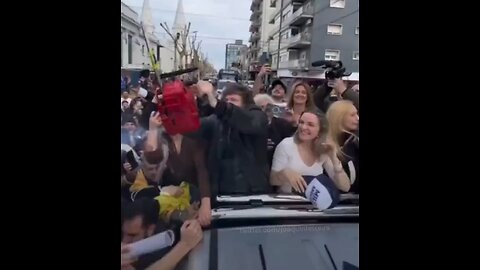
(343, 119)
(300, 100)
(308, 152)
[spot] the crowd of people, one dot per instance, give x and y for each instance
(251, 141)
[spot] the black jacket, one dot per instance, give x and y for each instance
(350, 146)
(237, 156)
(321, 97)
(278, 129)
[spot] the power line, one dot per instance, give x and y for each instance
(194, 14)
(206, 37)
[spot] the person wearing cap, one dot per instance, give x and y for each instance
(308, 152)
(144, 80)
(278, 92)
(131, 134)
(237, 137)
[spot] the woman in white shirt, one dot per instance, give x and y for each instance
(308, 152)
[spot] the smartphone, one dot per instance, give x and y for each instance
(276, 111)
(132, 160)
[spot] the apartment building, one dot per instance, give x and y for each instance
(259, 29)
(305, 31)
(234, 54)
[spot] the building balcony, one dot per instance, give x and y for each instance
(254, 48)
(273, 3)
(255, 4)
(300, 41)
(254, 26)
(301, 16)
(255, 14)
(254, 37)
(274, 30)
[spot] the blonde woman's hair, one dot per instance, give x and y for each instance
(317, 147)
(335, 115)
(263, 97)
(309, 105)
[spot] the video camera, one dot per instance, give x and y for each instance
(333, 69)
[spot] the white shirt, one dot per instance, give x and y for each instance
(280, 104)
(287, 156)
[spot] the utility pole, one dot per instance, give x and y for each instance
(175, 42)
(279, 34)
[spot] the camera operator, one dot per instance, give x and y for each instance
(334, 71)
(237, 138)
(321, 95)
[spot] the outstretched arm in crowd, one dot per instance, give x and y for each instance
(205, 211)
(340, 87)
(333, 167)
(258, 85)
(155, 123)
(190, 236)
(246, 121)
(321, 95)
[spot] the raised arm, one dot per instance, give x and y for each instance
(190, 236)
(199, 156)
(247, 121)
(259, 81)
(334, 169)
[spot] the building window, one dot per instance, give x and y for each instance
(130, 49)
(332, 55)
(274, 60)
(334, 29)
(337, 3)
(356, 55)
(143, 50)
(121, 48)
(357, 30)
(303, 55)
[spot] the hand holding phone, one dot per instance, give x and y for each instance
(132, 160)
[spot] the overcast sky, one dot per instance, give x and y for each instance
(218, 22)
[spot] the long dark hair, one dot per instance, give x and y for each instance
(241, 90)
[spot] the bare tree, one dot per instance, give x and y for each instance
(194, 50)
(205, 67)
(180, 47)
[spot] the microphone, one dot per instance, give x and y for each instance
(319, 63)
